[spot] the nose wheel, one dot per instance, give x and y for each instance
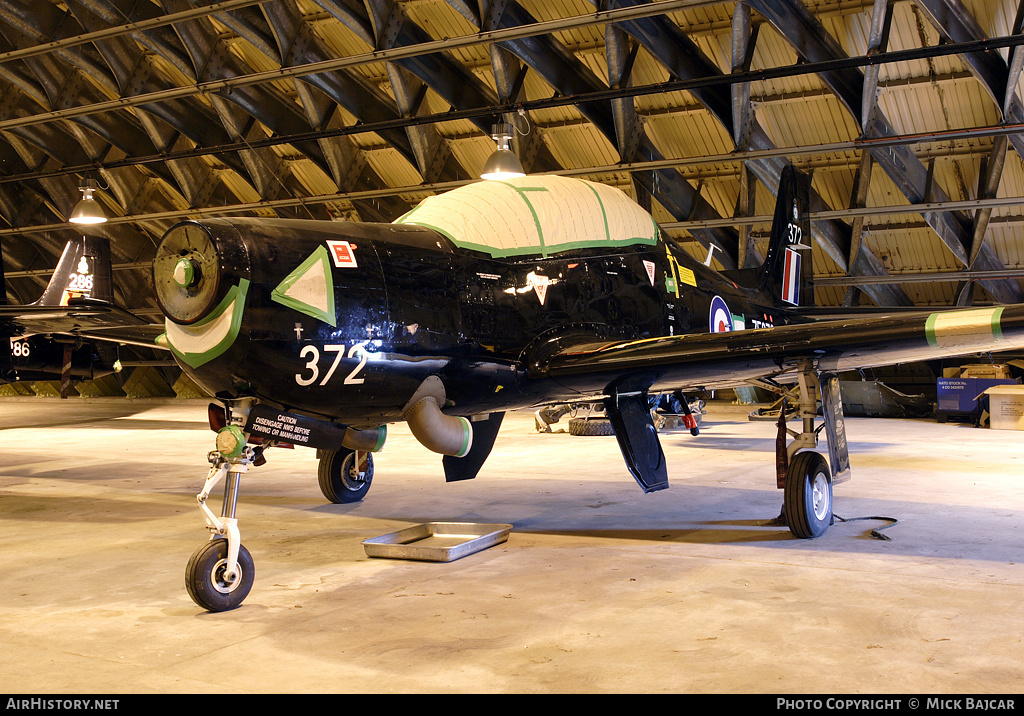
(209, 581)
(220, 574)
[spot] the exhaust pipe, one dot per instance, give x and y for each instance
(440, 433)
(371, 440)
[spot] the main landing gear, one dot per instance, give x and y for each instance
(344, 474)
(804, 475)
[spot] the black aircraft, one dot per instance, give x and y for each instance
(54, 336)
(499, 296)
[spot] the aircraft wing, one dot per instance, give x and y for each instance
(85, 318)
(727, 359)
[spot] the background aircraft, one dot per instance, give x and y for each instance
(53, 337)
(498, 296)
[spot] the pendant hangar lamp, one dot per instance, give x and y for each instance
(88, 210)
(503, 163)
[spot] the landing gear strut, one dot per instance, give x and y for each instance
(804, 475)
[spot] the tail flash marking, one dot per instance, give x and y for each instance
(791, 277)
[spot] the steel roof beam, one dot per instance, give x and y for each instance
(684, 61)
(956, 24)
(813, 44)
(570, 77)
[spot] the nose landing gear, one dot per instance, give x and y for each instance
(220, 574)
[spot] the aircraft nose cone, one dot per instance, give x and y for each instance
(186, 273)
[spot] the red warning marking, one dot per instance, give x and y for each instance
(342, 253)
(649, 265)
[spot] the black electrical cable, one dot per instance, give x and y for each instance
(876, 533)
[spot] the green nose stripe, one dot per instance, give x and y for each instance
(201, 342)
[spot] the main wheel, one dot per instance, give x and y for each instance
(341, 480)
(807, 498)
(591, 426)
(205, 580)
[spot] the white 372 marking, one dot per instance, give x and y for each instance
(339, 350)
(794, 233)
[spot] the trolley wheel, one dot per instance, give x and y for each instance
(591, 426)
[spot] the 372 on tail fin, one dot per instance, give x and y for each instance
(787, 273)
(83, 270)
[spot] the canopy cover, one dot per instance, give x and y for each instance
(535, 215)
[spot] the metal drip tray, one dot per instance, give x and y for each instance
(437, 541)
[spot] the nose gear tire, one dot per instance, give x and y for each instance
(205, 580)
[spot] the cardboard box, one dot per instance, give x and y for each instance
(1006, 407)
(985, 370)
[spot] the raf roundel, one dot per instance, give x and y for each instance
(720, 318)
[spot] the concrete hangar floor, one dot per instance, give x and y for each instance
(598, 589)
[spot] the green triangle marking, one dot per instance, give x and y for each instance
(309, 288)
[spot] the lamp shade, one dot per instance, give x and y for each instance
(88, 210)
(502, 164)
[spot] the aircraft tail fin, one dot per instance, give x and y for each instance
(787, 273)
(83, 271)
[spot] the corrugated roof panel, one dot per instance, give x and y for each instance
(580, 146)
(439, 20)
(716, 47)
(554, 9)
(473, 153)
(833, 176)
(822, 119)
(703, 19)
(914, 248)
(647, 70)
(1007, 241)
(937, 107)
(392, 166)
(692, 134)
